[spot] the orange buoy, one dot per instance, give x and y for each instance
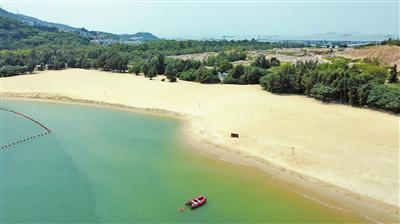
(181, 209)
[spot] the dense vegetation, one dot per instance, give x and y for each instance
(26, 48)
(341, 81)
(224, 57)
(15, 35)
(391, 41)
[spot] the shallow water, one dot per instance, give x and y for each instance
(106, 165)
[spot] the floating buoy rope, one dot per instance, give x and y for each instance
(47, 130)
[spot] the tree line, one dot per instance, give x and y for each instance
(359, 83)
(26, 48)
(197, 71)
(343, 81)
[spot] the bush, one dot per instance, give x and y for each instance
(171, 71)
(261, 62)
(204, 75)
(171, 78)
(191, 64)
(8, 70)
(253, 75)
(363, 93)
(264, 82)
(135, 69)
(385, 97)
(243, 76)
(172, 68)
(323, 92)
(234, 75)
(188, 75)
(229, 56)
(280, 80)
(225, 66)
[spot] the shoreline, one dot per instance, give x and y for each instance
(311, 188)
(355, 149)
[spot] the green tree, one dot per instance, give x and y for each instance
(237, 71)
(145, 69)
(385, 97)
(224, 66)
(323, 92)
(275, 62)
(253, 75)
(261, 62)
(171, 71)
(160, 64)
(234, 75)
(188, 75)
(204, 75)
(32, 61)
(136, 69)
(393, 75)
(152, 72)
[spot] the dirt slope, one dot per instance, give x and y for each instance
(387, 55)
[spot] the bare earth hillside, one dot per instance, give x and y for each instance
(387, 55)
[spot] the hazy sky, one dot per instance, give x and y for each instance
(215, 18)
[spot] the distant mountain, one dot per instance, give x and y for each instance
(140, 36)
(331, 33)
(97, 36)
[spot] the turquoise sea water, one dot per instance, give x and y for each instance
(107, 165)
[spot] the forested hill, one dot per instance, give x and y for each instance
(98, 35)
(15, 34)
(33, 21)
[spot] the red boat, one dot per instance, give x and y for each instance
(197, 201)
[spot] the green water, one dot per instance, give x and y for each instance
(105, 165)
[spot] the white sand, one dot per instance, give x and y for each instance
(352, 148)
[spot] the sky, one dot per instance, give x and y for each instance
(207, 18)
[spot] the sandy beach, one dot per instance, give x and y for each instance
(354, 149)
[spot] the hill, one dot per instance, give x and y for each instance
(37, 22)
(385, 54)
(15, 34)
(98, 35)
(140, 36)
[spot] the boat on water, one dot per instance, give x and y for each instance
(197, 201)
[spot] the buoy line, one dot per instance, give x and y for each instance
(47, 130)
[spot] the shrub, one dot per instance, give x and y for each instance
(9, 70)
(234, 75)
(323, 92)
(253, 75)
(187, 75)
(204, 75)
(385, 97)
(280, 80)
(224, 66)
(135, 69)
(261, 62)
